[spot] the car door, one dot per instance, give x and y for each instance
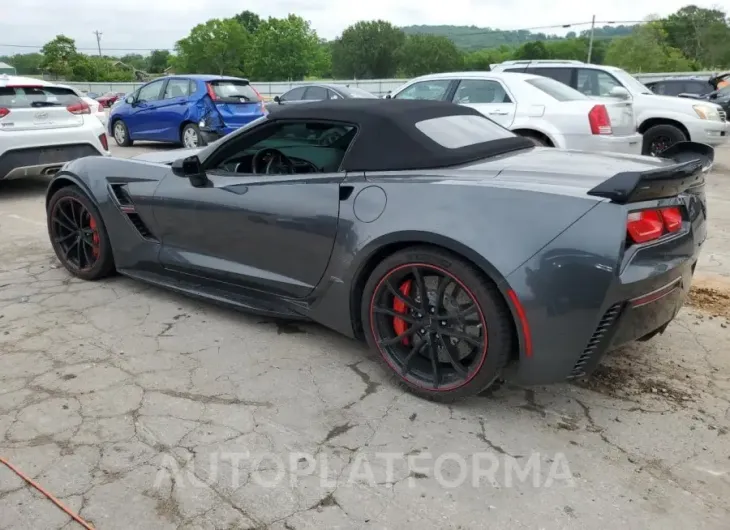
(315, 93)
(172, 108)
(294, 96)
(488, 96)
(142, 120)
(246, 231)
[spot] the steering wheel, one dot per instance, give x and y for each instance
(274, 159)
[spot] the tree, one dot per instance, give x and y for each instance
(249, 20)
(219, 47)
(58, 55)
(157, 61)
(532, 50)
(25, 63)
(284, 48)
(134, 60)
(482, 60)
(647, 50)
(424, 54)
(368, 50)
(702, 35)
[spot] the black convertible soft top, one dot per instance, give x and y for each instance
(388, 139)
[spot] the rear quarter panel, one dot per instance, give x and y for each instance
(497, 228)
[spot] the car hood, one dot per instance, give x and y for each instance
(676, 103)
(167, 157)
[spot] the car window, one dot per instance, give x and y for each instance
(333, 95)
(697, 87)
(360, 93)
(454, 132)
(434, 90)
(295, 94)
(313, 147)
(150, 92)
(315, 93)
(177, 88)
(480, 91)
(233, 91)
(192, 87)
(33, 96)
(556, 89)
(562, 75)
(593, 82)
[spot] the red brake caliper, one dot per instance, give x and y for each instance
(94, 238)
(399, 306)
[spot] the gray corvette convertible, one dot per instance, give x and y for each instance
(463, 254)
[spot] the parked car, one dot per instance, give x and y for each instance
(676, 86)
(96, 108)
(541, 109)
(342, 212)
(191, 110)
(317, 92)
(43, 126)
(108, 99)
(662, 120)
(719, 97)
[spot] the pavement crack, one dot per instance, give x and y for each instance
(216, 400)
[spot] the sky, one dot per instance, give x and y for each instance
(150, 24)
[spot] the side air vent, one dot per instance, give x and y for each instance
(122, 195)
(140, 226)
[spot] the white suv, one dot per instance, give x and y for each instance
(663, 120)
(43, 126)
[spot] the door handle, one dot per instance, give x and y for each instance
(498, 113)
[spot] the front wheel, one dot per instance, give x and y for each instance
(438, 323)
(121, 134)
(660, 138)
(78, 235)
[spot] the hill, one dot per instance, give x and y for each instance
(475, 38)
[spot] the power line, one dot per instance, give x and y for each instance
(465, 34)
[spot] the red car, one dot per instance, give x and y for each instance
(108, 99)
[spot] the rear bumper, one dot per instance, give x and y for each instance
(580, 304)
(630, 144)
(32, 161)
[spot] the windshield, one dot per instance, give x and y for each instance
(30, 96)
(632, 84)
(233, 91)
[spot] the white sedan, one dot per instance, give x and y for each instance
(96, 107)
(542, 109)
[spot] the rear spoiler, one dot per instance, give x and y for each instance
(692, 161)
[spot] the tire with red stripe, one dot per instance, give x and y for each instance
(449, 343)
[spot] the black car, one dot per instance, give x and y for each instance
(310, 93)
(680, 86)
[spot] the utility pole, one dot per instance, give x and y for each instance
(99, 34)
(590, 42)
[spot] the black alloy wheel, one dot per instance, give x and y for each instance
(438, 324)
(78, 236)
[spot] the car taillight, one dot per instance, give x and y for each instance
(648, 225)
(600, 121)
(4, 112)
(261, 101)
(104, 142)
(79, 108)
(211, 91)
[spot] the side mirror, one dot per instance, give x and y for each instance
(619, 92)
(191, 169)
(129, 100)
(277, 99)
(388, 96)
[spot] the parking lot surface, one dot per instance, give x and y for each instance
(138, 408)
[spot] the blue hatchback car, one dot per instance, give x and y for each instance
(191, 110)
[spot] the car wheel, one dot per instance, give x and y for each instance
(660, 138)
(438, 323)
(78, 235)
(121, 134)
(191, 137)
(539, 142)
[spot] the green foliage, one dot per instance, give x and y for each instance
(693, 38)
(219, 46)
(283, 48)
(424, 54)
(647, 50)
(367, 50)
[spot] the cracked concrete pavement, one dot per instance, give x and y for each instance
(138, 408)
